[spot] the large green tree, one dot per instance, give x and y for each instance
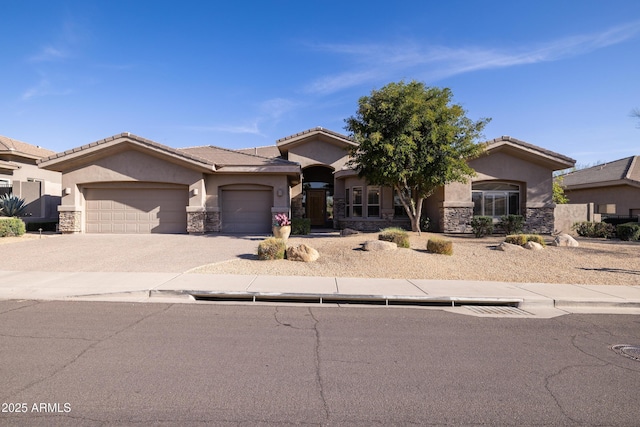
(413, 138)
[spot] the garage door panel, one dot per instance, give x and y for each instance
(246, 211)
(136, 210)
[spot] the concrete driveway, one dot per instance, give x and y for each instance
(162, 253)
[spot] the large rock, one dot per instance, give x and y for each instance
(302, 253)
(508, 247)
(565, 240)
(533, 246)
(348, 232)
(379, 245)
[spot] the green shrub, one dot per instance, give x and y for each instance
(628, 231)
(521, 239)
(46, 226)
(300, 226)
(396, 235)
(440, 246)
(512, 224)
(271, 248)
(11, 227)
(594, 229)
(482, 225)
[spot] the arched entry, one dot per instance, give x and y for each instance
(317, 199)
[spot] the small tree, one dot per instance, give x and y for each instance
(558, 191)
(411, 138)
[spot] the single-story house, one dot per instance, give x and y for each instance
(128, 184)
(21, 176)
(613, 188)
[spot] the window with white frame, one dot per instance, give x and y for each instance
(356, 202)
(373, 202)
(495, 199)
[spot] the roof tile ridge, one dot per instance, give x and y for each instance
(246, 154)
(632, 165)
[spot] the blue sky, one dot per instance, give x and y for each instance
(564, 75)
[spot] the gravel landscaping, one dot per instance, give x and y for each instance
(596, 262)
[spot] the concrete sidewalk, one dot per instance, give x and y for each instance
(537, 299)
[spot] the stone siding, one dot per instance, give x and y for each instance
(456, 219)
(203, 222)
(70, 222)
(539, 220)
(372, 225)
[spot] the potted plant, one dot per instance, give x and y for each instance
(281, 226)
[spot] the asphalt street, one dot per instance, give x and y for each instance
(99, 363)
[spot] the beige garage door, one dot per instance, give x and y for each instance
(246, 211)
(136, 210)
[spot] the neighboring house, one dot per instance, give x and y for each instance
(614, 187)
(127, 184)
(21, 176)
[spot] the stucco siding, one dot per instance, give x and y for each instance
(504, 167)
(625, 197)
(318, 152)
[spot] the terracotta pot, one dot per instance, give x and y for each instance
(282, 231)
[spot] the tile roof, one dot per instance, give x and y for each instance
(315, 130)
(225, 157)
(13, 146)
(506, 138)
(271, 151)
(126, 135)
(627, 169)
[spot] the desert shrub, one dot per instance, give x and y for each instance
(440, 246)
(11, 227)
(46, 226)
(396, 235)
(482, 225)
(11, 205)
(521, 239)
(512, 224)
(300, 226)
(628, 231)
(594, 229)
(271, 248)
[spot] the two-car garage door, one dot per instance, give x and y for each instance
(136, 210)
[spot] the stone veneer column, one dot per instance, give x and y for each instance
(70, 220)
(338, 211)
(297, 211)
(203, 220)
(456, 218)
(540, 220)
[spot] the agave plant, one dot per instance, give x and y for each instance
(11, 205)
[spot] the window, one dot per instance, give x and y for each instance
(495, 199)
(356, 204)
(373, 202)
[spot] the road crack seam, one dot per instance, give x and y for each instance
(318, 363)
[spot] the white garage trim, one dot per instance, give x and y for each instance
(153, 209)
(246, 210)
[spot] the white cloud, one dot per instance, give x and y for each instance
(376, 62)
(43, 88)
(49, 53)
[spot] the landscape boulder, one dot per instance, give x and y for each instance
(302, 253)
(508, 247)
(533, 246)
(379, 245)
(348, 232)
(565, 240)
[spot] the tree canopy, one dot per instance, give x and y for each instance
(413, 138)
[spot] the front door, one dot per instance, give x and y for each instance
(316, 206)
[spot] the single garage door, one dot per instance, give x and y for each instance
(136, 210)
(246, 211)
